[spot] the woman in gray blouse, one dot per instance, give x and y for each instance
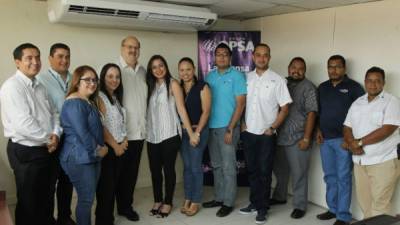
(165, 101)
(110, 105)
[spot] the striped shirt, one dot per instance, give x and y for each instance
(162, 118)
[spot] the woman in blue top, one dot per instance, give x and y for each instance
(198, 106)
(83, 145)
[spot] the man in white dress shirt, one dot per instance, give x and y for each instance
(31, 123)
(134, 101)
(268, 100)
(371, 133)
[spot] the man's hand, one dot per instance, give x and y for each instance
(303, 144)
(52, 143)
(228, 136)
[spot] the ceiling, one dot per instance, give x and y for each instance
(247, 9)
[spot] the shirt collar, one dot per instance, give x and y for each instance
(27, 81)
(125, 65)
(230, 68)
(59, 76)
(380, 96)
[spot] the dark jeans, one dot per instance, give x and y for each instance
(162, 157)
(192, 172)
(35, 172)
(110, 176)
(259, 153)
(129, 167)
(84, 178)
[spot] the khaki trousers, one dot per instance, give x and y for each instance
(375, 185)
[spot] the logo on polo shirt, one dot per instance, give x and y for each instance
(344, 90)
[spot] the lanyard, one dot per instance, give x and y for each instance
(59, 83)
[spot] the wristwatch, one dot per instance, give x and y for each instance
(272, 129)
(360, 143)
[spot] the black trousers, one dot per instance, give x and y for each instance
(259, 151)
(35, 172)
(130, 162)
(106, 188)
(162, 157)
(64, 191)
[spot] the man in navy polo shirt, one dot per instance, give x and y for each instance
(335, 97)
(228, 87)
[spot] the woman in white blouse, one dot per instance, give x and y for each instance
(165, 102)
(110, 105)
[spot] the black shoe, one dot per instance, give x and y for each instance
(326, 216)
(212, 204)
(130, 215)
(276, 202)
(341, 222)
(250, 209)
(261, 217)
(65, 221)
(224, 211)
(297, 213)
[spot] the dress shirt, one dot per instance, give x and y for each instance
(265, 94)
(135, 99)
(364, 117)
(29, 116)
(55, 86)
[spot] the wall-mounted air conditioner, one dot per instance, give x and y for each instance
(130, 14)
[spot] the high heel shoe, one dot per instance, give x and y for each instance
(193, 210)
(185, 206)
(161, 213)
(155, 210)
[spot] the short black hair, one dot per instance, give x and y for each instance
(225, 46)
(338, 57)
(262, 45)
(298, 58)
(56, 46)
(375, 69)
(18, 51)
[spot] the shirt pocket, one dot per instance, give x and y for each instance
(377, 118)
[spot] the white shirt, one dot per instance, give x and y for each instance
(28, 114)
(162, 118)
(364, 117)
(114, 119)
(265, 94)
(134, 100)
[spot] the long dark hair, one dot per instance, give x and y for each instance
(190, 61)
(151, 80)
(117, 92)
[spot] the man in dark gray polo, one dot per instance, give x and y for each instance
(294, 138)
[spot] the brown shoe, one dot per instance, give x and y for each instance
(193, 210)
(185, 206)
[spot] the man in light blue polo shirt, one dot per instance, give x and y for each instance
(228, 87)
(56, 80)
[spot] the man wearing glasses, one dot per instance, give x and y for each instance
(335, 97)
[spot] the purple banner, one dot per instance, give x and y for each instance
(241, 43)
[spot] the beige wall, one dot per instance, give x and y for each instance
(26, 21)
(366, 34)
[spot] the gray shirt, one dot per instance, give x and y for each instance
(304, 95)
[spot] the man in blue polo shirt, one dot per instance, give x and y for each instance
(228, 87)
(335, 98)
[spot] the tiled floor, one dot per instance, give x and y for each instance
(278, 215)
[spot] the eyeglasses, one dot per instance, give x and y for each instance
(90, 80)
(131, 47)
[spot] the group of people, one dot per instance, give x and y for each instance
(87, 131)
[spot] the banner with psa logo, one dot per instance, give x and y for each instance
(241, 43)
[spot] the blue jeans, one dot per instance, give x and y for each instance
(192, 171)
(223, 161)
(84, 178)
(337, 166)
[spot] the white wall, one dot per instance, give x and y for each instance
(26, 21)
(365, 34)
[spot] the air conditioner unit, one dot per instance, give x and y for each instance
(130, 14)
